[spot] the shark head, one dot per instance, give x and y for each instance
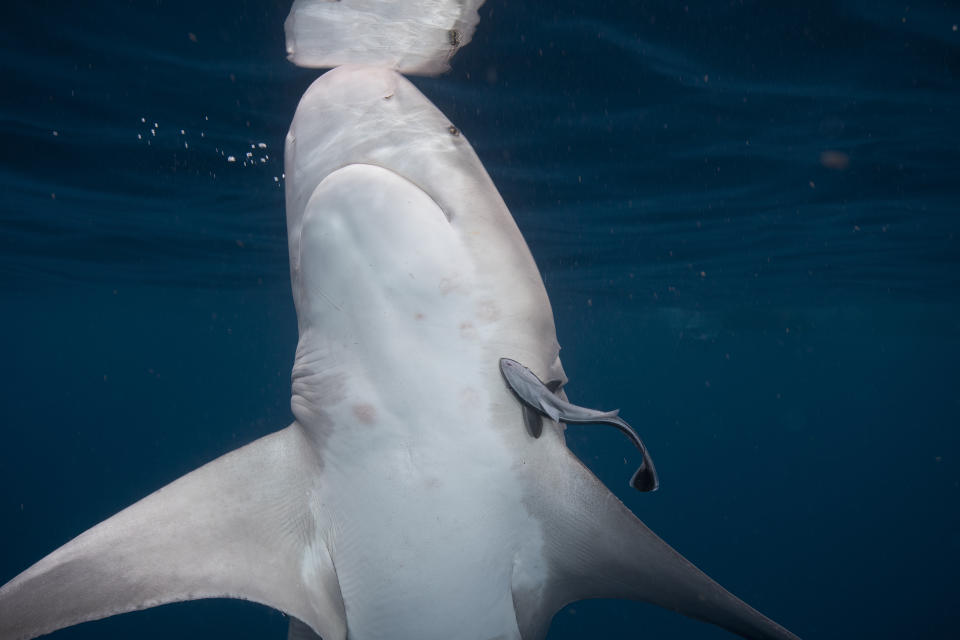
(403, 255)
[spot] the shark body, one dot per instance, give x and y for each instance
(396, 505)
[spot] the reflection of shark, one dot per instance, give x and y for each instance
(407, 500)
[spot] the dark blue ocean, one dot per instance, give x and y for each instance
(746, 215)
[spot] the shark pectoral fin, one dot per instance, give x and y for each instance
(601, 550)
(238, 527)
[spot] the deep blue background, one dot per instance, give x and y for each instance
(745, 214)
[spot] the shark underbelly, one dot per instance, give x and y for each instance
(426, 543)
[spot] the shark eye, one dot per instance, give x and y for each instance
(555, 386)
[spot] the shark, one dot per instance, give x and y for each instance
(407, 499)
(412, 496)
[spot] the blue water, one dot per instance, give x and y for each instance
(745, 213)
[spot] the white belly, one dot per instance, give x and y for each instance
(427, 539)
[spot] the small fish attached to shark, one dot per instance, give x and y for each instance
(539, 398)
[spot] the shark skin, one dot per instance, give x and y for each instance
(407, 500)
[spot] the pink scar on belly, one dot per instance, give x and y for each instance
(487, 311)
(365, 413)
